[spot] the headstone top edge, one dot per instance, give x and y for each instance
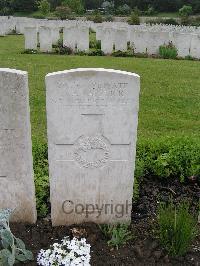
(14, 71)
(105, 70)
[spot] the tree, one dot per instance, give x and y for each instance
(108, 7)
(185, 11)
(123, 10)
(75, 5)
(63, 12)
(44, 7)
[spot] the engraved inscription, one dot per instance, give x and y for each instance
(91, 152)
(95, 92)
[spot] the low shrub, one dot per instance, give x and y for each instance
(108, 18)
(134, 19)
(168, 158)
(168, 21)
(177, 227)
(97, 52)
(96, 18)
(168, 51)
(62, 49)
(117, 235)
(94, 44)
(30, 51)
(123, 54)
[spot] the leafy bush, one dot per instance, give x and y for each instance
(63, 12)
(44, 7)
(40, 163)
(108, 18)
(30, 51)
(12, 249)
(168, 21)
(94, 44)
(134, 19)
(123, 54)
(97, 18)
(167, 158)
(97, 52)
(62, 49)
(117, 235)
(185, 11)
(177, 227)
(123, 10)
(168, 51)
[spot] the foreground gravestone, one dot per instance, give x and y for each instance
(16, 168)
(92, 117)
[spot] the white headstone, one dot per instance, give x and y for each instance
(30, 38)
(121, 39)
(83, 39)
(45, 39)
(92, 117)
(55, 34)
(107, 40)
(17, 190)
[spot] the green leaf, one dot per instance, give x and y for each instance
(5, 243)
(7, 235)
(11, 260)
(28, 254)
(20, 244)
(21, 257)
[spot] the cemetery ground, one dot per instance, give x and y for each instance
(168, 157)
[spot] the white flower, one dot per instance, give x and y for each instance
(68, 253)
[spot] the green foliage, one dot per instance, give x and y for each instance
(185, 11)
(167, 158)
(168, 21)
(123, 54)
(134, 19)
(96, 52)
(108, 6)
(108, 18)
(12, 249)
(168, 51)
(123, 10)
(96, 18)
(30, 51)
(60, 49)
(117, 235)
(44, 7)
(150, 11)
(75, 5)
(40, 162)
(177, 228)
(63, 12)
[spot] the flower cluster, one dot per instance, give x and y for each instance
(69, 252)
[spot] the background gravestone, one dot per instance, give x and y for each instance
(16, 168)
(92, 117)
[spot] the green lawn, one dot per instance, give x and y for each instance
(170, 90)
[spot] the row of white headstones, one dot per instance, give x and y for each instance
(77, 37)
(92, 117)
(142, 38)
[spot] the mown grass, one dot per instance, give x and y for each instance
(170, 89)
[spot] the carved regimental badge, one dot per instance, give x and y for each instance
(91, 151)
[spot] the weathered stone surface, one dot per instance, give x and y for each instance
(30, 38)
(92, 117)
(16, 168)
(45, 39)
